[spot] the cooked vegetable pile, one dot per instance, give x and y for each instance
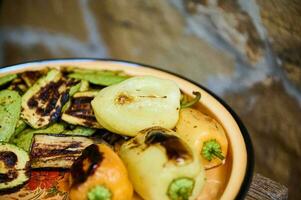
(116, 134)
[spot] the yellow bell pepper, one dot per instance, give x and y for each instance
(161, 166)
(204, 135)
(99, 174)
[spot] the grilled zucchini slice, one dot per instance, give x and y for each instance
(6, 79)
(57, 151)
(14, 166)
(42, 103)
(80, 111)
(18, 85)
(10, 107)
(30, 77)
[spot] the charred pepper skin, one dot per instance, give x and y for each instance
(170, 169)
(99, 173)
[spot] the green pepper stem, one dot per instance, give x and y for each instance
(180, 189)
(218, 155)
(99, 193)
(211, 149)
(196, 99)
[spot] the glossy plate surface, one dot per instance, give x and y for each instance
(229, 181)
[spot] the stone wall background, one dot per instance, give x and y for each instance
(246, 51)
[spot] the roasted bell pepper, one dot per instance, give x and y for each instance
(205, 135)
(168, 166)
(99, 174)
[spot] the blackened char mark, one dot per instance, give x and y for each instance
(50, 90)
(109, 137)
(54, 150)
(49, 100)
(9, 176)
(65, 97)
(81, 105)
(176, 150)
(91, 156)
(31, 76)
(82, 100)
(81, 108)
(18, 85)
(8, 158)
(32, 103)
(42, 153)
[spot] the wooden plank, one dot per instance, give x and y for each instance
(263, 188)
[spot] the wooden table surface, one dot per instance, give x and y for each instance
(263, 188)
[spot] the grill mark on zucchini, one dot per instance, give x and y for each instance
(81, 111)
(8, 158)
(18, 85)
(57, 151)
(53, 150)
(81, 108)
(14, 167)
(43, 102)
(49, 95)
(30, 77)
(9, 176)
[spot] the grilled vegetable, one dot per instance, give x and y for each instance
(168, 166)
(80, 87)
(99, 174)
(18, 85)
(74, 89)
(24, 139)
(113, 139)
(6, 79)
(21, 125)
(30, 77)
(136, 104)
(80, 111)
(203, 134)
(104, 78)
(14, 163)
(80, 131)
(56, 151)
(43, 102)
(84, 86)
(186, 102)
(10, 107)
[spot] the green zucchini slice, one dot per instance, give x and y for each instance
(7, 78)
(80, 111)
(10, 107)
(14, 166)
(43, 102)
